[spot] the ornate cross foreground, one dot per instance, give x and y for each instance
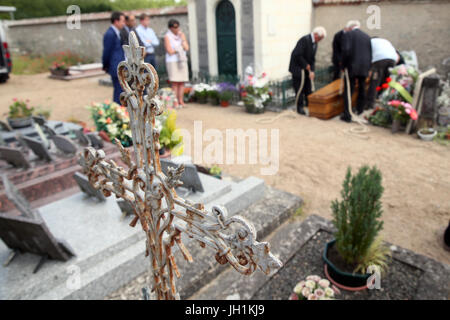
(162, 213)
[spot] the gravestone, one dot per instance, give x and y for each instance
(38, 148)
(96, 141)
(126, 207)
(48, 130)
(189, 177)
(5, 126)
(39, 120)
(65, 145)
(82, 138)
(86, 187)
(22, 234)
(430, 87)
(42, 136)
(14, 157)
(16, 197)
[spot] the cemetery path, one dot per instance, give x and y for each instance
(65, 99)
(314, 156)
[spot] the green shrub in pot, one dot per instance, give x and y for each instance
(357, 219)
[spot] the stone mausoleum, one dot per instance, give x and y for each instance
(228, 35)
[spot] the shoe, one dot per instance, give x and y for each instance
(345, 119)
(301, 111)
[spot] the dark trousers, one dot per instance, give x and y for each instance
(380, 71)
(117, 89)
(336, 71)
(150, 58)
(303, 99)
(361, 94)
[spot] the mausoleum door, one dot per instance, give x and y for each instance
(226, 38)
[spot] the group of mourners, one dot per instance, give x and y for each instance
(354, 52)
(175, 45)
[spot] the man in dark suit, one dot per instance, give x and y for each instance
(337, 53)
(356, 58)
(303, 59)
(113, 52)
(130, 25)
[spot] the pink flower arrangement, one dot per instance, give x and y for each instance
(403, 109)
(314, 288)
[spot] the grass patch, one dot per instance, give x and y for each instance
(34, 64)
(299, 212)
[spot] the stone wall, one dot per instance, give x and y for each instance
(49, 35)
(420, 25)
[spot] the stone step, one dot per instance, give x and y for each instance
(266, 214)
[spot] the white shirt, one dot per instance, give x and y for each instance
(382, 49)
(116, 31)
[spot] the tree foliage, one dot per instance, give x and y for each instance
(357, 216)
(49, 8)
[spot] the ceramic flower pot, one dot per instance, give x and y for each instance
(251, 108)
(427, 134)
(59, 72)
(16, 123)
(341, 279)
(224, 103)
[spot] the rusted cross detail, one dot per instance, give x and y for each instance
(162, 214)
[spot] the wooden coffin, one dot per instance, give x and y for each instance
(326, 102)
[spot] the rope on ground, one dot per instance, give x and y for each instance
(361, 130)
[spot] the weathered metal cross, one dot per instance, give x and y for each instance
(162, 213)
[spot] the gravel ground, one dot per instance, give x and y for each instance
(399, 283)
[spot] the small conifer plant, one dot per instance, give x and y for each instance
(357, 219)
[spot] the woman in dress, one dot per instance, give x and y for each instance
(176, 59)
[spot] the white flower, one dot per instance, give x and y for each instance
(319, 293)
(310, 284)
(306, 292)
(329, 292)
(299, 287)
(324, 283)
(312, 297)
(112, 129)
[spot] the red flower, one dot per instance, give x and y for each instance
(378, 88)
(384, 86)
(388, 79)
(244, 94)
(108, 120)
(293, 296)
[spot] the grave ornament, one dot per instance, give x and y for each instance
(163, 215)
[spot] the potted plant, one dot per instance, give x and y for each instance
(357, 219)
(201, 92)
(59, 69)
(213, 96)
(20, 114)
(226, 93)
(427, 134)
(401, 113)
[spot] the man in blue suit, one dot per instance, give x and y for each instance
(113, 52)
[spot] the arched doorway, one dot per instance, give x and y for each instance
(226, 38)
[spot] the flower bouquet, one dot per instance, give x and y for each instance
(395, 96)
(255, 93)
(213, 95)
(167, 98)
(314, 288)
(170, 137)
(112, 119)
